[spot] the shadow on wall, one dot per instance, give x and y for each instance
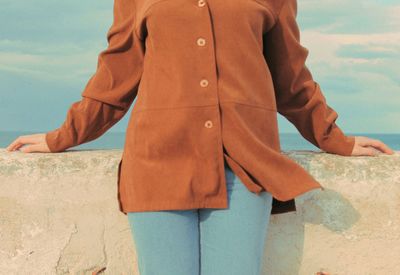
(332, 227)
(328, 210)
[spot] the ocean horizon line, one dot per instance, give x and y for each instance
(288, 140)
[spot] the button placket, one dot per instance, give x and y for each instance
(201, 42)
(206, 46)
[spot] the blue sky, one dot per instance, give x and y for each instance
(46, 58)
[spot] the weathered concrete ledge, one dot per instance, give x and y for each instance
(59, 215)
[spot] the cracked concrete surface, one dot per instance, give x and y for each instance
(59, 215)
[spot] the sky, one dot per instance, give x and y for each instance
(46, 58)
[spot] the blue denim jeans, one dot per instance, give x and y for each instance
(205, 241)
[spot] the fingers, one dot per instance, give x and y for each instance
(377, 144)
(35, 139)
(18, 142)
(367, 151)
(381, 146)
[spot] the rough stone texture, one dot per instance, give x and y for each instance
(59, 215)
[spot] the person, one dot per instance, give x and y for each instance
(201, 171)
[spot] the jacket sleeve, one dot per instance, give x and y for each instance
(111, 90)
(298, 96)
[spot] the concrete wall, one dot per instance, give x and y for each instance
(59, 215)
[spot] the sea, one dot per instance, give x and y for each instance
(289, 141)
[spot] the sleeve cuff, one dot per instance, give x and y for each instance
(338, 143)
(56, 141)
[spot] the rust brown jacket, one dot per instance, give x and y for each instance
(210, 77)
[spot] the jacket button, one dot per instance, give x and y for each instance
(204, 83)
(208, 124)
(201, 41)
(201, 3)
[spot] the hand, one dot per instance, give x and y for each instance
(365, 146)
(37, 144)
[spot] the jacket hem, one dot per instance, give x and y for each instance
(169, 205)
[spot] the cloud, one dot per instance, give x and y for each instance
(53, 41)
(55, 21)
(354, 51)
(48, 62)
(342, 16)
(377, 53)
(360, 51)
(359, 76)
